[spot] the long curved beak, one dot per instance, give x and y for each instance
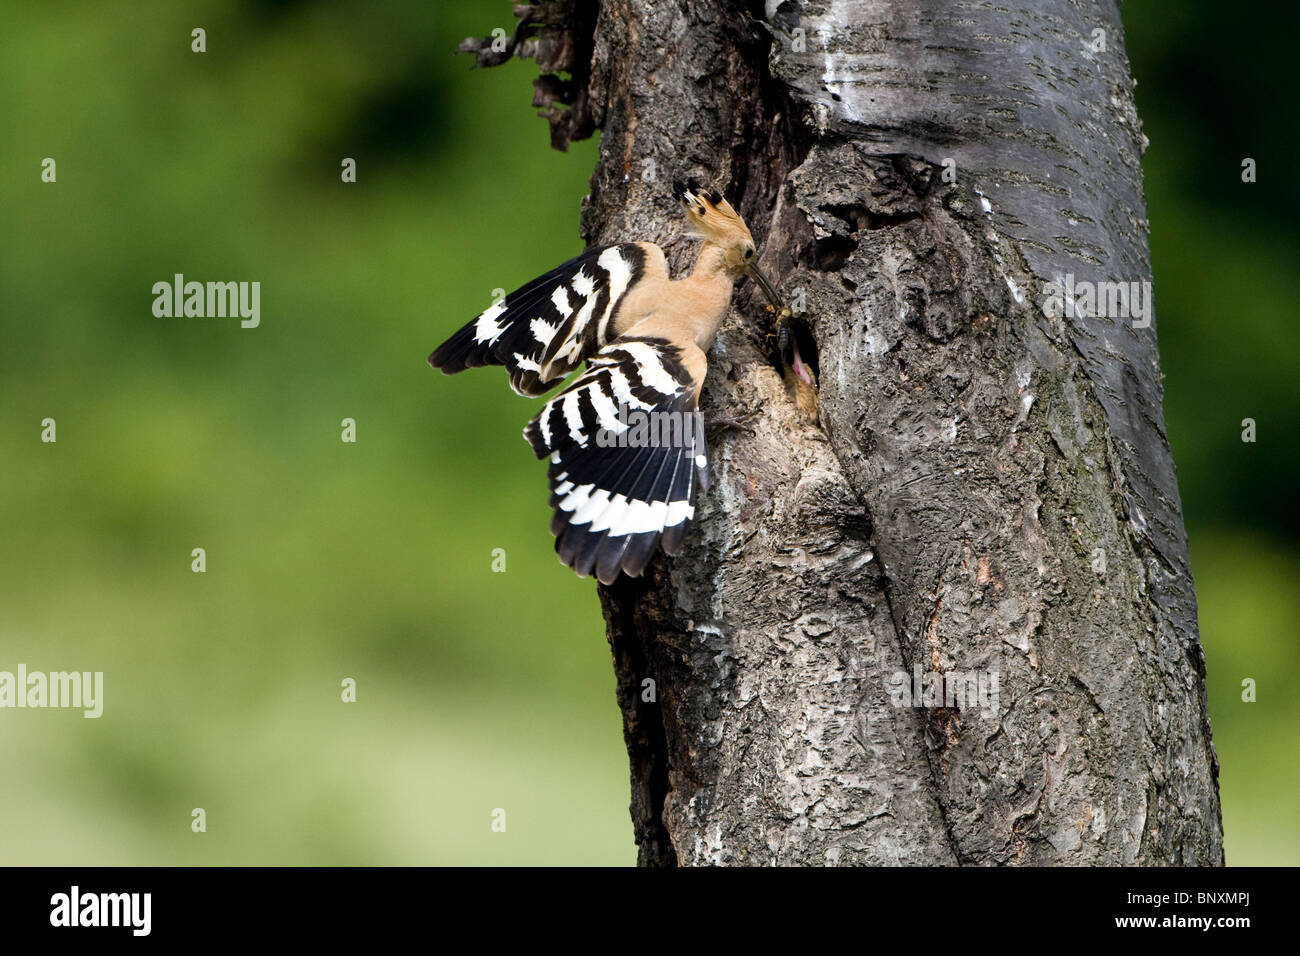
(766, 286)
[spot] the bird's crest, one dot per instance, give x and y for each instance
(711, 217)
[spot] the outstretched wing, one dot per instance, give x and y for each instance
(627, 449)
(544, 330)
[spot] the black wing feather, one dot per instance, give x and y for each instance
(544, 330)
(616, 502)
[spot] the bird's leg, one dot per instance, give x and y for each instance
(740, 423)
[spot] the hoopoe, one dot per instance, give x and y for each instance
(618, 493)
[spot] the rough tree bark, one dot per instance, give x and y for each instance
(975, 462)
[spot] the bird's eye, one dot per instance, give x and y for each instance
(749, 253)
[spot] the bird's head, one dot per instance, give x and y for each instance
(714, 220)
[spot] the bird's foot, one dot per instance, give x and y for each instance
(740, 423)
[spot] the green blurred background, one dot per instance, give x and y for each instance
(476, 690)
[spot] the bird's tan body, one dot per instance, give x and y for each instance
(687, 312)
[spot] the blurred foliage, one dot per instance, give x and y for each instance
(476, 690)
(1214, 88)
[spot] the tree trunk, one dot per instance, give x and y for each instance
(989, 489)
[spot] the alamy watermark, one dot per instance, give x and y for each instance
(641, 428)
(75, 908)
(57, 689)
(212, 300)
(1072, 299)
(962, 690)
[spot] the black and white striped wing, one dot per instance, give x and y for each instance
(544, 330)
(627, 450)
